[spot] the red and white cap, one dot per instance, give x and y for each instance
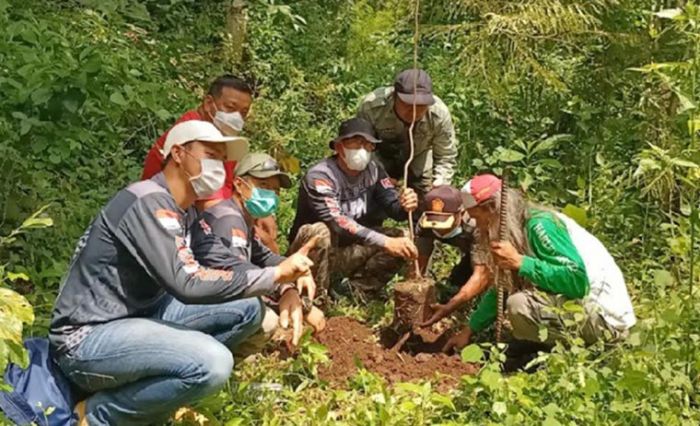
(480, 189)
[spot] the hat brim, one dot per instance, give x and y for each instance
(366, 136)
(418, 98)
(236, 147)
(285, 180)
(435, 220)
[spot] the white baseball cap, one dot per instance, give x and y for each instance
(204, 131)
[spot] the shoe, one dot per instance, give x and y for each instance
(80, 409)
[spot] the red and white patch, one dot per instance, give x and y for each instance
(322, 186)
(169, 220)
(205, 227)
(186, 257)
(239, 238)
(386, 183)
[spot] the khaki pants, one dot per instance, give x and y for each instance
(528, 310)
(368, 268)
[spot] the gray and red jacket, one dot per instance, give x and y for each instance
(222, 238)
(349, 205)
(134, 252)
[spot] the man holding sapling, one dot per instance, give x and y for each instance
(553, 261)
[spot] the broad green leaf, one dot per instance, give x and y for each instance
(543, 334)
(118, 99)
(686, 103)
(15, 306)
(12, 276)
(490, 379)
(472, 353)
(663, 278)
(443, 400)
(37, 222)
(550, 142)
(577, 214)
(510, 156)
(551, 421)
(499, 408)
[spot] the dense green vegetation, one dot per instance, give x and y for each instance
(594, 104)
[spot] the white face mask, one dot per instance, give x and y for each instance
(357, 159)
(210, 180)
(230, 123)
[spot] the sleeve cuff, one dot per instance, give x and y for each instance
(527, 268)
(262, 281)
(377, 238)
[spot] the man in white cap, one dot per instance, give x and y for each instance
(138, 323)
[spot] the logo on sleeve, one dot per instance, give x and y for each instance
(386, 183)
(169, 220)
(322, 186)
(239, 238)
(205, 227)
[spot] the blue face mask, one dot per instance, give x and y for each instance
(453, 233)
(262, 203)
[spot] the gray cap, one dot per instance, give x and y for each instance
(404, 87)
(355, 127)
(262, 166)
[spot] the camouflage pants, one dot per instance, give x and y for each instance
(368, 268)
(528, 310)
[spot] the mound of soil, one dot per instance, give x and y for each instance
(351, 343)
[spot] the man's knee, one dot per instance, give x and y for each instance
(319, 230)
(215, 367)
(518, 305)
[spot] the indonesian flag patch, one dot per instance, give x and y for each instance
(322, 186)
(239, 238)
(168, 219)
(386, 183)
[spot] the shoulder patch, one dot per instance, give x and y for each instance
(323, 186)
(239, 238)
(386, 183)
(168, 219)
(205, 227)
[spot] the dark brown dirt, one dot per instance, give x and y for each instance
(351, 343)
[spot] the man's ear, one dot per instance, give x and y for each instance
(176, 153)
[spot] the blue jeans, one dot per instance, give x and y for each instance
(140, 370)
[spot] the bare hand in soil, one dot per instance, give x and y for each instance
(506, 256)
(316, 319)
(307, 282)
(401, 247)
(296, 265)
(458, 341)
(440, 311)
(408, 200)
(291, 309)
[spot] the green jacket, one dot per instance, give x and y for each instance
(434, 137)
(557, 267)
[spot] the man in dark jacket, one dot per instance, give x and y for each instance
(343, 201)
